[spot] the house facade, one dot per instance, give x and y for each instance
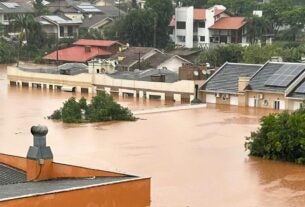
(192, 27)
(274, 85)
(59, 26)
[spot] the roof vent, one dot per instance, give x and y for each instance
(39, 150)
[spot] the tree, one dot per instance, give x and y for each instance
(91, 34)
(136, 28)
(71, 111)
(256, 28)
(219, 55)
(280, 137)
(163, 10)
(273, 12)
(134, 4)
(39, 8)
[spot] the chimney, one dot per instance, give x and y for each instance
(243, 81)
(39, 156)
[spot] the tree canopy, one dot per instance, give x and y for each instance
(102, 108)
(280, 137)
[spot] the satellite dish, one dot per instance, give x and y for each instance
(196, 73)
(208, 65)
(204, 72)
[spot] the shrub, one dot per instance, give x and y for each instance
(280, 137)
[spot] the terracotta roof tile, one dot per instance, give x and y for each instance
(218, 11)
(96, 43)
(77, 54)
(228, 23)
(199, 14)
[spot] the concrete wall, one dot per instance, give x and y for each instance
(172, 64)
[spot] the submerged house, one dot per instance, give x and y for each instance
(275, 85)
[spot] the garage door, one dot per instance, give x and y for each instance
(210, 98)
(234, 100)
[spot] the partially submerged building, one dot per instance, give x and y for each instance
(275, 85)
(162, 84)
(39, 181)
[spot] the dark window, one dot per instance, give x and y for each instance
(97, 70)
(202, 38)
(70, 31)
(180, 25)
(201, 24)
(61, 31)
(181, 38)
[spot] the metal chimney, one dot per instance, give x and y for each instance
(39, 151)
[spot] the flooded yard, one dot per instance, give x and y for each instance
(195, 157)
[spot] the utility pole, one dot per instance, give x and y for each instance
(139, 58)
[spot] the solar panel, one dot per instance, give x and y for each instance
(10, 5)
(285, 75)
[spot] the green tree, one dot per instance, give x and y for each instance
(280, 137)
(163, 9)
(39, 8)
(71, 111)
(274, 10)
(256, 28)
(91, 34)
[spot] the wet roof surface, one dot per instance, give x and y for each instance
(9, 175)
(45, 187)
(226, 79)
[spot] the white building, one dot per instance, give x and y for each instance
(193, 27)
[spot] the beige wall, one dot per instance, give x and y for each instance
(268, 99)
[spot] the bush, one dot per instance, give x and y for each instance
(102, 108)
(281, 137)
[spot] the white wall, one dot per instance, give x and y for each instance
(173, 64)
(185, 14)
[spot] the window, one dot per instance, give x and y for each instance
(181, 38)
(97, 70)
(180, 25)
(201, 24)
(70, 31)
(202, 38)
(6, 17)
(61, 31)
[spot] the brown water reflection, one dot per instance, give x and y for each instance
(195, 157)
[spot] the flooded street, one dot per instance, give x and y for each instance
(196, 158)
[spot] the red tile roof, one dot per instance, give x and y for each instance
(218, 11)
(173, 22)
(77, 54)
(199, 14)
(229, 23)
(97, 43)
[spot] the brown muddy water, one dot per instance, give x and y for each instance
(195, 157)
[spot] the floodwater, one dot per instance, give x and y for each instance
(196, 158)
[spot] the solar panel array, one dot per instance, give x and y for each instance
(88, 8)
(10, 5)
(285, 75)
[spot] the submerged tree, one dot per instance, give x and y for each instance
(102, 108)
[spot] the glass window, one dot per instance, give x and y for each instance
(180, 25)
(70, 31)
(201, 24)
(202, 38)
(61, 31)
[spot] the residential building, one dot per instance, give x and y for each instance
(8, 12)
(95, 22)
(59, 26)
(154, 83)
(274, 85)
(39, 181)
(131, 58)
(85, 50)
(192, 27)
